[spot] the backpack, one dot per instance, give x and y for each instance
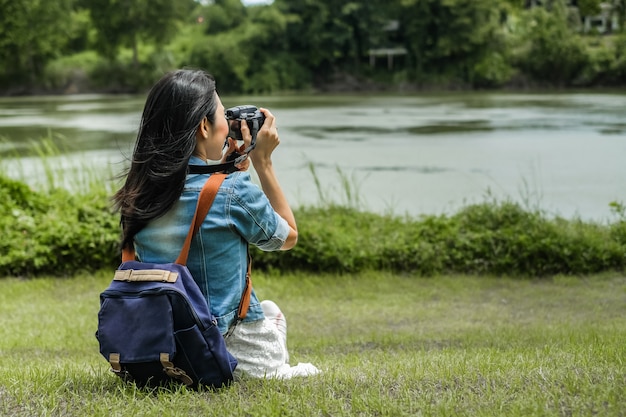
(155, 326)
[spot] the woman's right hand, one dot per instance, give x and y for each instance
(266, 141)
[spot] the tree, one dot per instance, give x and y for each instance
(223, 15)
(589, 7)
(127, 22)
(450, 37)
(548, 49)
(330, 35)
(244, 48)
(31, 33)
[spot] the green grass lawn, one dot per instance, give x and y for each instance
(388, 344)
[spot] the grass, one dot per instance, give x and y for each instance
(46, 164)
(389, 345)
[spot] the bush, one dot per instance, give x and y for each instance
(57, 233)
(493, 70)
(491, 238)
(502, 238)
(71, 73)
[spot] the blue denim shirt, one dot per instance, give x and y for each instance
(240, 214)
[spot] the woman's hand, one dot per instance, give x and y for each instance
(232, 147)
(266, 141)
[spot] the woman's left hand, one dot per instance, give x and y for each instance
(232, 147)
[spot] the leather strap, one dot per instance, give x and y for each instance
(244, 303)
(145, 275)
(205, 200)
(174, 372)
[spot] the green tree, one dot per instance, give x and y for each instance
(247, 50)
(124, 23)
(451, 37)
(547, 48)
(223, 16)
(589, 7)
(31, 33)
(334, 34)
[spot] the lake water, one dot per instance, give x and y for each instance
(430, 153)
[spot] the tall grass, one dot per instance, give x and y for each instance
(388, 345)
(48, 163)
(51, 230)
(348, 190)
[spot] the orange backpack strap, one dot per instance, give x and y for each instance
(244, 303)
(205, 200)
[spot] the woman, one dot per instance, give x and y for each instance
(183, 123)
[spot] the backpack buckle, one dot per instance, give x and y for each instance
(116, 367)
(174, 372)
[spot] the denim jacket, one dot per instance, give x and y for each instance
(240, 214)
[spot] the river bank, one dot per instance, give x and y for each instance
(78, 82)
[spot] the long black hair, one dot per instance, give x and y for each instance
(166, 139)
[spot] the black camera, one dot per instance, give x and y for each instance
(251, 115)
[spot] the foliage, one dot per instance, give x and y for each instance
(589, 7)
(126, 23)
(73, 72)
(504, 238)
(56, 232)
(31, 33)
(222, 16)
(546, 47)
(488, 238)
(325, 34)
(233, 44)
(453, 37)
(298, 44)
(618, 65)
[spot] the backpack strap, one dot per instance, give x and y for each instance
(244, 303)
(205, 200)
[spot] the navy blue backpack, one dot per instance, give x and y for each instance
(155, 326)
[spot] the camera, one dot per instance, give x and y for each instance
(248, 113)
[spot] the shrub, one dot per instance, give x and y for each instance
(70, 73)
(490, 238)
(503, 238)
(57, 232)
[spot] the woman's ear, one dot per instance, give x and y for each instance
(204, 129)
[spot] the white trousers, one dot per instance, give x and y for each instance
(261, 347)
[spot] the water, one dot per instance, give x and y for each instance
(421, 154)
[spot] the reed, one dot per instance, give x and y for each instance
(48, 163)
(62, 225)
